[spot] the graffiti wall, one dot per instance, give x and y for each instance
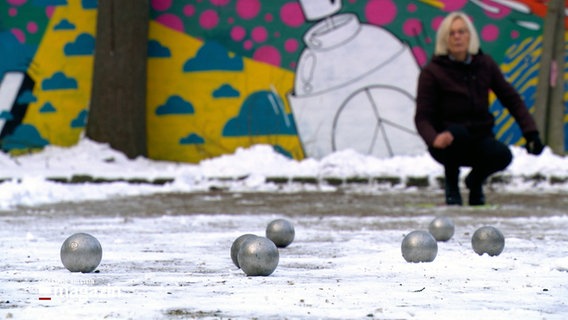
(308, 77)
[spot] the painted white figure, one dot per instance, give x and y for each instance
(354, 87)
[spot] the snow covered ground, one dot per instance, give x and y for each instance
(340, 266)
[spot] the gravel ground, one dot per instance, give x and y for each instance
(167, 256)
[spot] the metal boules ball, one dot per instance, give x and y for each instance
(236, 246)
(419, 246)
(81, 252)
(488, 240)
(258, 256)
(442, 228)
(281, 232)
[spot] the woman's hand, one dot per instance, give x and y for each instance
(443, 140)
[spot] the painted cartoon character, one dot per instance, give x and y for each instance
(354, 87)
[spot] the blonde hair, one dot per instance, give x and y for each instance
(443, 34)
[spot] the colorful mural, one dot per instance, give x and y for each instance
(307, 77)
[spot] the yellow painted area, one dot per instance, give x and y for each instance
(166, 78)
(434, 3)
(50, 58)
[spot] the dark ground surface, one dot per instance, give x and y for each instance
(404, 203)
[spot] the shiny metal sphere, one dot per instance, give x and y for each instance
(258, 256)
(419, 246)
(281, 232)
(442, 228)
(488, 240)
(236, 246)
(81, 252)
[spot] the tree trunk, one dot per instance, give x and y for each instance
(549, 104)
(117, 114)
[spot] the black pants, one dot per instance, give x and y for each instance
(484, 155)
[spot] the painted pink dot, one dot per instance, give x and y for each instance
(291, 14)
(412, 7)
(259, 34)
(16, 2)
(428, 40)
(19, 34)
(412, 27)
(188, 10)
(436, 22)
(490, 33)
(276, 34)
(420, 55)
(248, 44)
(453, 5)
(220, 3)
(248, 9)
(32, 27)
(514, 34)
(380, 12)
(49, 11)
(171, 21)
(291, 45)
(238, 33)
(293, 64)
(502, 11)
(161, 5)
(209, 19)
(12, 12)
(267, 54)
(268, 17)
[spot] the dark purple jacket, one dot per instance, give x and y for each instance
(452, 92)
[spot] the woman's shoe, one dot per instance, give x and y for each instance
(453, 196)
(476, 196)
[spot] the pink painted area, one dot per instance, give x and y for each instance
(49, 11)
(514, 34)
(380, 12)
(453, 5)
(248, 44)
(209, 19)
(188, 10)
(238, 33)
(502, 11)
(220, 3)
(12, 12)
(31, 27)
(268, 17)
(267, 54)
(259, 34)
(412, 27)
(161, 5)
(291, 45)
(247, 9)
(412, 7)
(420, 55)
(19, 34)
(292, 15)
(171, 21)
(490, 33)
(436, 22)
(16, 2)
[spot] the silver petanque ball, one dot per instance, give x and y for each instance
(488, 240)
(442, 228)
(281, 232)
(258, 256)
(81, 252)
(236, 246)
(419, 246)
